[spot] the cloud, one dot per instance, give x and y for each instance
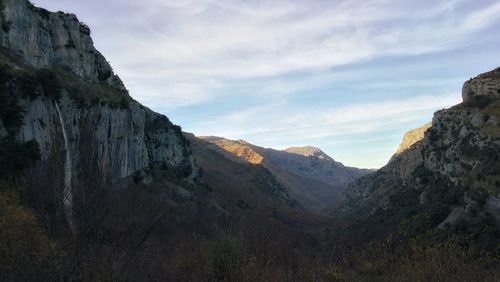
(285, 72)
(185, 52)
(279, 122)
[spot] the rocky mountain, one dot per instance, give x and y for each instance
(239, 184)
(95, 186)
(411, 137)
(448, 177)
(61, 93)
(312, 177)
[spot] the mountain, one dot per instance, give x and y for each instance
(443, 176)
(239, 184)
(312, 177)
(60, 92)
(411, 137)
(95, 186)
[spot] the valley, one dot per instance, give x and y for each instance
(95, 186)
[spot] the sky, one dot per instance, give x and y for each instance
(350, 77)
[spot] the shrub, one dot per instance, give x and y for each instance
(70, 44)
(227, 258)
(124, 103)
(50, 83)
(26, 252)
(6, 25)
(479, 101)
(104, 75)
(15, 156)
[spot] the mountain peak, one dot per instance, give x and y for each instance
(486, 84)
(308, 151)
(411, 137)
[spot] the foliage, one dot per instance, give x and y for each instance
(50, 83)
(26, 252)
(479, 101)
(15, 156)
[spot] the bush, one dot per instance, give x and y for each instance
(479, 101)
(26, 252)
(15, 156)
(50, 83)
(227, 258)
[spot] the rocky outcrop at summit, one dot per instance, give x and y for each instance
(486, 84)
(411, 137)
(46, 40)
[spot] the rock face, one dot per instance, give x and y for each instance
(486, 84)
(411, 137)
(92, 136)
(449, 176)
(46, 40)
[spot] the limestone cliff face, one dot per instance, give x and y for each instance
(454, 169)
(486, 84)
(119, 142)
(411, 137)
(92, 135)
(45, 40)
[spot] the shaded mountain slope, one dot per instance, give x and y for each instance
(244, 185)
(312, 178)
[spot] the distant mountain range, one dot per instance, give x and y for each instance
(313, 178)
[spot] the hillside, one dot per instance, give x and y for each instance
(312, 177)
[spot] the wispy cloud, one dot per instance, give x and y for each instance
(294, 70)
(288, 123)
(188, 49)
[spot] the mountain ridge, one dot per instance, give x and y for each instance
(297, 168)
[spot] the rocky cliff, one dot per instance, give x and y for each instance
(46, 40)
(486, 84)
(411, 137)
(93, 137)
(448, 178)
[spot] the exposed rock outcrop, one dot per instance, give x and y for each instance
(46, 40)
(486, 84)
(78, 111)
(411, 137)
(450, 175)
